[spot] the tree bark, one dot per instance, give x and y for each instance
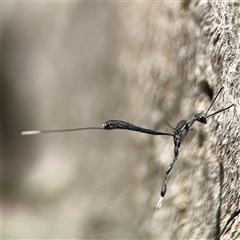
(150, 63)
(181, 55)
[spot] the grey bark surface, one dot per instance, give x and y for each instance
(177, 49)
(80, 64)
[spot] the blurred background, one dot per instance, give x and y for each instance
(64, 67)
(79, 64)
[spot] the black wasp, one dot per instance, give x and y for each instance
(179, 133)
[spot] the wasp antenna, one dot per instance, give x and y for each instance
(221, 110)
(214, 100)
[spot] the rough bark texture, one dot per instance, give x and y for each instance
(80, 64)
(178, 49)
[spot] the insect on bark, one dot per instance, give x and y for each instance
(179, 133)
